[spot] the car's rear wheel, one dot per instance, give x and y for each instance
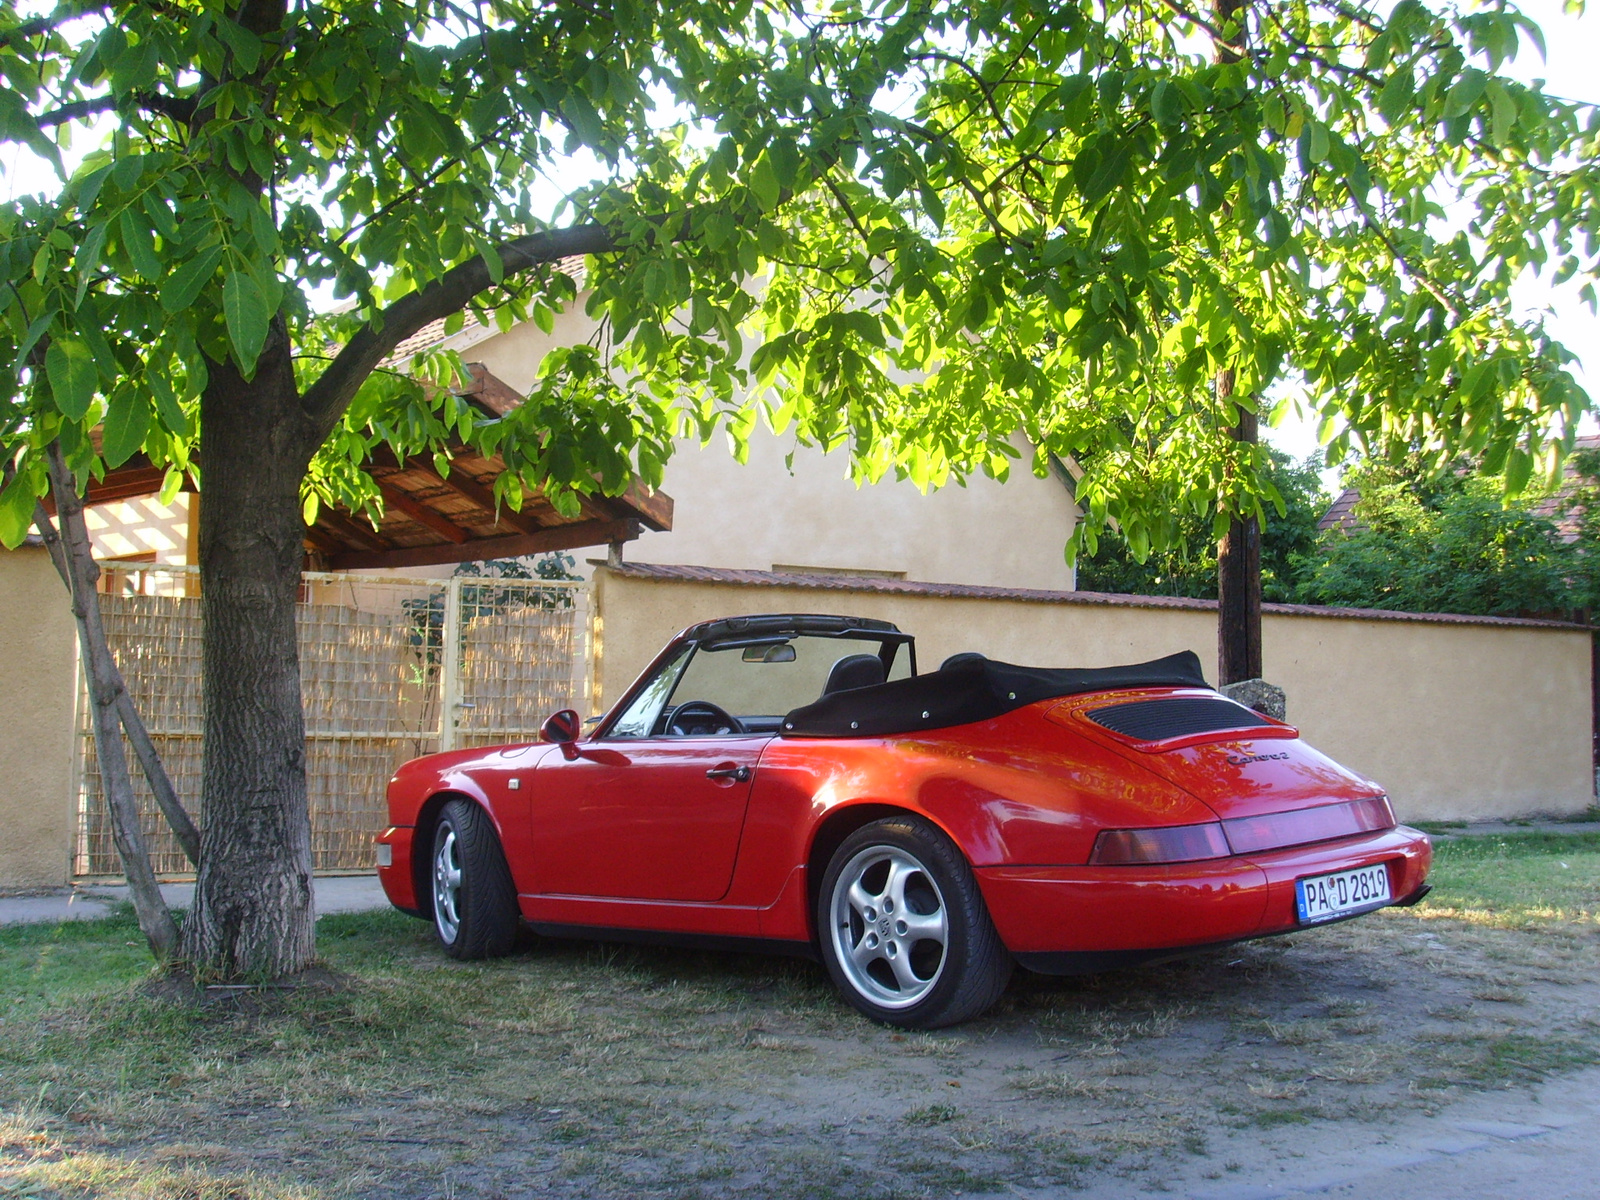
(474, 900)
(904, 930)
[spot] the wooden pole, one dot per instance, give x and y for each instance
(155, 920)
(1239, 576)
(143, 747)
(1239, 551)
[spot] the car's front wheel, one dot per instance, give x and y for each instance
(474, 901)
(904, 930)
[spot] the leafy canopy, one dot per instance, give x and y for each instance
(1189, 567)
(1447, 542)
(943, 223)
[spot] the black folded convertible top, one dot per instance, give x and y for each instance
(974, 689)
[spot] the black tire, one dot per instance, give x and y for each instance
(477, 917)
(880, 965)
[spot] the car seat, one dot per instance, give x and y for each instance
(854, 671)
(955, 660)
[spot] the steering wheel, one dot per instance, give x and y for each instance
(701, 718)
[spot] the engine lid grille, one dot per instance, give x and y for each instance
(1179, 716)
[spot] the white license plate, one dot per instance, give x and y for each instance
(1324, 897)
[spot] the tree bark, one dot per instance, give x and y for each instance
(1239, 574)
(143, 747)
(155, 921)
(252, 915)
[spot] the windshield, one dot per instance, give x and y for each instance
(760, 679)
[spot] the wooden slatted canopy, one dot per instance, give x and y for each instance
(432, 519)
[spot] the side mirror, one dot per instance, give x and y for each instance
(563, 729)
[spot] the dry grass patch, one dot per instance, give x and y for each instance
(583, 1071)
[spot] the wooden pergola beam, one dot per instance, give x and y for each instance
(422, 514)
(324, 541)
(352, 530)
(463, 485)
(556, 537)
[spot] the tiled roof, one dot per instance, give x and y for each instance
(1550, 508)
(1341, 513)
(908, 587)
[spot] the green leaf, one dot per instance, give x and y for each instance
(246, 313)
(1502, 112)
(127, 421)
(1464, 93)
(140, 244)
(16, 510)
(30, 339)
(1395, 98)
(245, 45)
(69, 366)
(183, 286)
(171, 485)
(1166, 104)
(167, 406)
(94, 244)
(764, 183)
(785, 161)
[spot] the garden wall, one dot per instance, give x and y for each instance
(38, 734)
(1460, 718)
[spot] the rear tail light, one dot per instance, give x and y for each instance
(1320, 824)
(1241, 835)
(1175, 843)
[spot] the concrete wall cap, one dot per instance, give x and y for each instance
(909, 587)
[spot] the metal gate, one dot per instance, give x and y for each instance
(390, 669)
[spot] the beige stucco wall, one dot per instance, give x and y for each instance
(38, 683)
(1458, 721)
(768, 512)
(142, 526)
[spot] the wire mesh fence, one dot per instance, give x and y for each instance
(390, 669)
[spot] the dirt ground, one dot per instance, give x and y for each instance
(575, 1070)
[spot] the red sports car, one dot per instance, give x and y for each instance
(790, 782)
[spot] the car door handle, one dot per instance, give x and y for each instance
(737, 774)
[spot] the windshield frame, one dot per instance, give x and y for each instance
(768, 632)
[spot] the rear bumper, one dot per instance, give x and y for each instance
(1093, 918)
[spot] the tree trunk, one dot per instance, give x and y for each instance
(252, 914)
(1239, 575)
(105, 684)
(155, 774)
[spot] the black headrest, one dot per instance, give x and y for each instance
(955, 660)
(854, 671)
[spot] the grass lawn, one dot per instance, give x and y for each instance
(574, 1069)
(1517, 878)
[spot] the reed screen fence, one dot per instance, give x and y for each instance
(390, 669)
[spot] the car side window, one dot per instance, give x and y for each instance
(639, 718)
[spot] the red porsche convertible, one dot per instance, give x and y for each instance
(792, 782)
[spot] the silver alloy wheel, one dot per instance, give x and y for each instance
(447, 885)
(890, 927)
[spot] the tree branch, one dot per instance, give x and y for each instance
(180, 108)
(325, 400)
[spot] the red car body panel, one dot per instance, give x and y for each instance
(631, 835)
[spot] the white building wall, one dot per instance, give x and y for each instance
(762, 515)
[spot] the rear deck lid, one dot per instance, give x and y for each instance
(1237, 761)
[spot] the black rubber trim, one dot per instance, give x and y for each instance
(686, 941)
(1415, 897)
(1178, 716)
